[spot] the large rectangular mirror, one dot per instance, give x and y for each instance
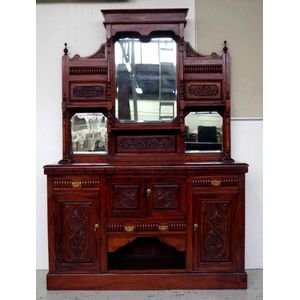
(146, 80)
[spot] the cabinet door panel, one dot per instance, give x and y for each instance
(76, 238)
(127, 198)
(214, 231)
(168, 197)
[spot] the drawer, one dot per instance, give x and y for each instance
(215, 181)
(76, 183)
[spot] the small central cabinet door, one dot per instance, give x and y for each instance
(214, 231)
(76, 233)
(168, 196)
(127, 197)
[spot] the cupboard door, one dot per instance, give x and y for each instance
(168, 197)
(127, 198)
(77, 235)
(214, 231)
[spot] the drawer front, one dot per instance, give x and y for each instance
(215, 181)
(75, 183)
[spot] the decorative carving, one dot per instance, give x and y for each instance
(90, 184)
(215, 231)
(88, 70)
(125, 196)
(62, 184)
(203, 69)
(208, 182)
(77, 227)
(203, 90)
(68, 184)
(147, 227)
(99, 54)
(145, 144)
(166, 197)
(190, 52)
(88, 91)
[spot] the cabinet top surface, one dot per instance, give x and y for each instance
(163, 166)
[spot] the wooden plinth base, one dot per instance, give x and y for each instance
(146, 281)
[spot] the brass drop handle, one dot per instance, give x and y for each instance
(196, 227)
(96, 227)
(148, 192)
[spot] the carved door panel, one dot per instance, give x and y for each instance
(127, 198)
(77, 235)
(167, 196)
(214, 231)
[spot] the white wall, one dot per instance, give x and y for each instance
(247, 146)
(80, 24)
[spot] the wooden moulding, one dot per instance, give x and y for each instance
(144, 281)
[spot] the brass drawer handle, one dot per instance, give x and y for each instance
(129, 228)
(215, 182)
(76, 184)
(196, 226)
(96, 227)
(163, 227)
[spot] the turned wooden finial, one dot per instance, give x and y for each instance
(66, 49)
(225, 49)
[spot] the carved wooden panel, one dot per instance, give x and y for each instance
(76, 231)
(88, 91)
(166, 196)
(146, 144)
(127, 198)
(215, 223)
(203, 90)
(213, 216)
(75, 235)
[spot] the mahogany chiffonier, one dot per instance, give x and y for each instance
(147, 195)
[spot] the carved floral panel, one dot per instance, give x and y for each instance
(88, 91)
(215, 231)
(126, 196)
(146, 143)
(203, 90)
(76, 232)
(166, 197)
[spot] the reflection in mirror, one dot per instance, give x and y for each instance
(145, 80)
(89, 133)
(203, 132)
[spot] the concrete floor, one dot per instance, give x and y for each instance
(254, 292)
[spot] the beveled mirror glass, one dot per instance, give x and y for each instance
(89, 133)
(203, 132)
(145, 80)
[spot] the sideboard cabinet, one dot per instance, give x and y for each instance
(146, 195)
